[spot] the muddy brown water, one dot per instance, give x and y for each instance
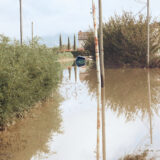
(65, 127)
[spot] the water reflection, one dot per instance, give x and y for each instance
(79, 117)
(69, 71)
(127, 90)
(133, 93)
(31, 135)
(99, 108)
(132, 118)
(149, 106)
(103, 122)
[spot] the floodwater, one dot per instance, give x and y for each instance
(65, 127)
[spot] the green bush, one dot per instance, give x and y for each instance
(125, 40)
(64, 55)
(27, 75)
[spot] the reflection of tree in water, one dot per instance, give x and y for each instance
(127, 90)
(142, 156)
(31, 135)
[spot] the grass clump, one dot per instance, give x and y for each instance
(28, 73)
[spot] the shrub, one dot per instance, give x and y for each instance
(27, 75)
(125, 40)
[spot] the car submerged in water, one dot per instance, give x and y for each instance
(80, 61)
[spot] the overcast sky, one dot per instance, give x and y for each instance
(52, 17)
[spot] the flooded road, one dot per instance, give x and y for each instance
(65, 127)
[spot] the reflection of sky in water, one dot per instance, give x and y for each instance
(79, 114)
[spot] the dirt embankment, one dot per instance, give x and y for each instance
(66, 59)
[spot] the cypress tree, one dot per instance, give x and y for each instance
(60, 42)
(69, 46)
(75, 46)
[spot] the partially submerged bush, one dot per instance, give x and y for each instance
(125, 40)
(27, 75)
(142, 156)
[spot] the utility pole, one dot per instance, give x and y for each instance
(102, 81)
(148, 32)
(98, 78)
(101, 43)
(32, 31)
(21, 31)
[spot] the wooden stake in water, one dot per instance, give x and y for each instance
(98, 79)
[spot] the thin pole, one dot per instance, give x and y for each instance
(101, 43)
(103, 123)
(148, 32)
(96, 44)
(32, 32)
(21, 30)
(98, 78)
(102, 81)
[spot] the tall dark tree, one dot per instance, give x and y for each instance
(69, 45)
(60, 42)
(75, 46)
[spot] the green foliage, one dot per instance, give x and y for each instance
(80, 53)
(69, 45)
(125, 40)
(27, 75)
(64, 55)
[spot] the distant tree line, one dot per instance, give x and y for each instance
(68, 46)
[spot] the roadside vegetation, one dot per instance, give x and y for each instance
(125, 41)
(28, 74)
(64, 56)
